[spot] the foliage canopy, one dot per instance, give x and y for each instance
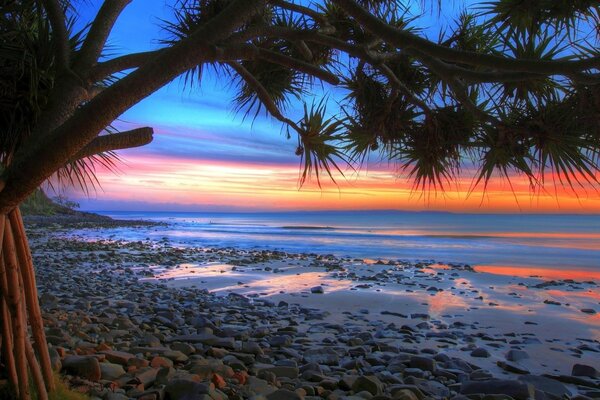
(508, 87)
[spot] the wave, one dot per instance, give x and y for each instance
(308, 227)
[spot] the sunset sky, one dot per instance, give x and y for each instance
(204, 157)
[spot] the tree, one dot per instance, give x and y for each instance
(510, 87)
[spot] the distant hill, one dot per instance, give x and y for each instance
(40, 207)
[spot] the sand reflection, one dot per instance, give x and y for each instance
(524, 272)
(219, 277)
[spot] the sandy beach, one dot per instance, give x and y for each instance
(418, 329)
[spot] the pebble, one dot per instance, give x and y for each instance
(108, 324)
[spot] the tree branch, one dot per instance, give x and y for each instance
(56, 16)
(404, 39)
(262, 94)
(294, 63)
(96, 38)
(119, 64)
(37, 160)
(116, 141)
(317, 16)
(439, 68)
(402, 87)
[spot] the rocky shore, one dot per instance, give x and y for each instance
(117, 332)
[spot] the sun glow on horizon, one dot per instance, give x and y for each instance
(186, 183)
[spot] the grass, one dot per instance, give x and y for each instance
(62, 392)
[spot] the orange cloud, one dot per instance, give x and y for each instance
(260, 186)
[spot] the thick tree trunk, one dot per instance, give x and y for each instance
(21, 315)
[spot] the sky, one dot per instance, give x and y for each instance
(205, 157)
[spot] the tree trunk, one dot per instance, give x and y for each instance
(21, 315)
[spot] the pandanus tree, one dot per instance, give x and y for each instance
(508, 87)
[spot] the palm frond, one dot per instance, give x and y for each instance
(317, 144)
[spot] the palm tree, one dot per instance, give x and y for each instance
(509, 87)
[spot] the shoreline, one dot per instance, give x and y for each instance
(359, 298)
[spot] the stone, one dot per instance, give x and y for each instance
(405, 394)
(512, 367)
(117, 357)
(547, 385)
(281, 371)
(585, 370)
(411, 388)
(83, 366)
(371, 384)
(516, 389)
(480, 353)
(317, 290)
(324, 356)
(181, 389)
(284, 394)
(516, 355)
(423, 363)
(110, 371)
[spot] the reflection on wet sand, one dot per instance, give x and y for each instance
(524, 272)
(218, 277)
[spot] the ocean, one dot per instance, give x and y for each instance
(527, 242)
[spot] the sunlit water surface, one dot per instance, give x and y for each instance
(561, 246)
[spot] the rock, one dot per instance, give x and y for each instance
(281, 371)
(110, 371)
(370, 384)
(83, 366)
(253, 348)
(585, 370)
(181, 389)
(411, 388)
(588, 310)
(547, 385)
(552, 302)
(423, 363)
(284, 394)
(317, 290)
(480, 353)
(512, 367)
(158, 362)
(184, 348)
(48, 300)
(434, 388)
(324, 356)
(405, 394)
(516, 355)
(516, 389)
(117, 357)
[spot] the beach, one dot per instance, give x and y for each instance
(154, 318)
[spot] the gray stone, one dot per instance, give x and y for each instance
(324, 356)
(515, 389)
(110, 371)
(512, 367)
(585, 370)
(423, 363)
(516, 355)
(117, 357)
(546, 385)
(83, 366)
(281, 371)
(284, 394)
(181, 389)
(480, 352)
(371, 384)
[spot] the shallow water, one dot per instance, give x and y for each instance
(510, 243)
